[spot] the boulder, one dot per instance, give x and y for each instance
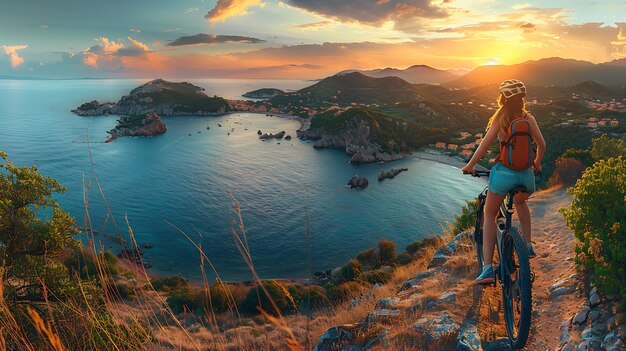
(390, 174)
(357, 182)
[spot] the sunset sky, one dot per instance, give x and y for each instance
(297, 38)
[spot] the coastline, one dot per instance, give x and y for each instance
(440, 157)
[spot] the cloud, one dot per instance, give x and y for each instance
(108, 51)
(14, 58)
(372, 12)
(314, 25)
(225, 9)
(203, 38)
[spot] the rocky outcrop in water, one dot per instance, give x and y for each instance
(148, 124)
(392, 173)
(357, 182)
(266, 136)
(161, 97)
(264, 93)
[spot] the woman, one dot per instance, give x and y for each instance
(503, 179)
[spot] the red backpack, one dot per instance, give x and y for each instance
(518, 153)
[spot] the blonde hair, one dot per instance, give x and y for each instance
(508, 110)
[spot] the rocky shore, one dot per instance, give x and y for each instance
(392, 173)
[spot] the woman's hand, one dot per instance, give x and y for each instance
(536, 167)
(468, 169)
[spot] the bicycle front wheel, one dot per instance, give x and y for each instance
(516, 287)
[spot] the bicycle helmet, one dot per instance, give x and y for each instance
(512, 87)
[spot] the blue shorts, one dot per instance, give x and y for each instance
(503, 179)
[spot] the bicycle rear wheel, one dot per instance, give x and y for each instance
(516, 287)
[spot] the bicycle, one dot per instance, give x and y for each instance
(513, 272)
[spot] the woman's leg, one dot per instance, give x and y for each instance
(492, 206)
(523, 213)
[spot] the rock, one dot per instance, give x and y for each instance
(357, 182)
(149, 124)
(435, 327)
(594, 298)
(279, 135)
(568, 347)
(447, 297)
(390, 174)
(259, 132)
(131, 254)
(387, 303)
(288, 137)
(337, 338)
(469, 339)
(557, 292)
(418, 278)
(383, 316)
(581, 316)
(147, 246)
(565, 337)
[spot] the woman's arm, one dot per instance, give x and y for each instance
(492, 134)
(541, 143)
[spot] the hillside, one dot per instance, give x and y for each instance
(161, 97)
(548, 71)
(417, 74)
(369, 136)
(441, 309)
(345, 89)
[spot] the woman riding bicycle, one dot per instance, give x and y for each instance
(502, 178)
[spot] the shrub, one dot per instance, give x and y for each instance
(257, 298)
(605, 147)
(219, 297)
(368, 258)
(597, 216)
(583, 156)
(387, 251)
(168, 283)
(343, 292)
(405, 258)
(414, 248)
(349, 271)
(467, 218)
(182, 299)
(567, 171)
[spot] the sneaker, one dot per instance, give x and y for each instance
(531, 252)
(486, 276)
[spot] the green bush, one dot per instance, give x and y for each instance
(414, 248)
(168, 283)
(368, 258)
(182, 299)
(405, 258)
(257, 298)
(387, 252)
(467, 218)
(349, 271)
(343, 292)
(605, 147)
(597, 215)
(583, 155)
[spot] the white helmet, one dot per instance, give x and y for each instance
(512, 87)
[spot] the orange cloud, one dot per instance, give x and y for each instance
(314, 26)
(14, 58)
(225, 9)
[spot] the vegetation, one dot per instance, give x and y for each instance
(188, 102)
(467, 218)
(597, 216)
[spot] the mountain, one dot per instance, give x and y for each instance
(548, 71)
(348, 88)
(264, 93)
(417, 74)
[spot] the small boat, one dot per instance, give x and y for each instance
(219, 125)
(207, 127)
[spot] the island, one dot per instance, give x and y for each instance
(264, 93)
(161, 97)
(142, 108)
(148, 124)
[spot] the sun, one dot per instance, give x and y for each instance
(491, 62)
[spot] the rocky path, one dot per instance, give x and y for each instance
(441, 309)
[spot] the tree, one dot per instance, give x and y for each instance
(597, 215)
(31, 248)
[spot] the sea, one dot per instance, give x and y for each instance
(177, 191)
